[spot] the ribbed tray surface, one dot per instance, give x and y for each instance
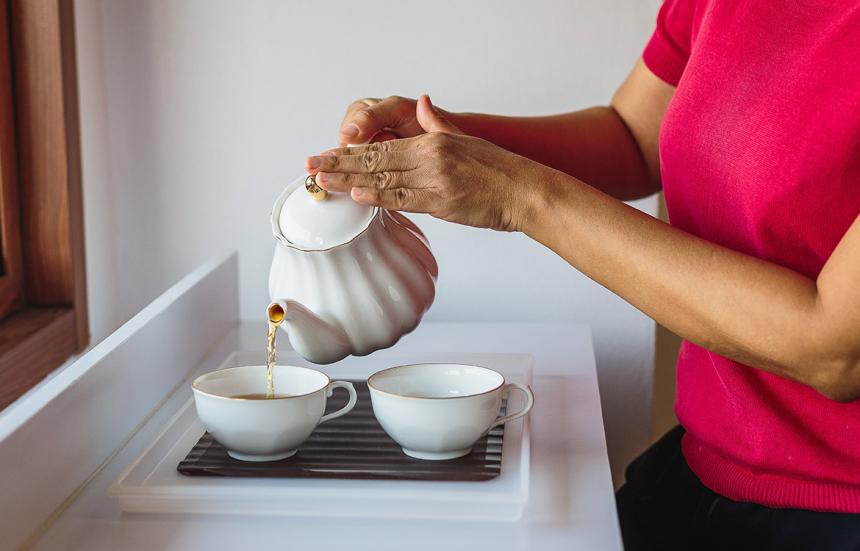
(352, 446)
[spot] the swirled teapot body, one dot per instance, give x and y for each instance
(352, 279)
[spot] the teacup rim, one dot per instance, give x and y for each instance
(381, 371)
(195, 388)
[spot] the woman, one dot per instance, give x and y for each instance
(747, 114)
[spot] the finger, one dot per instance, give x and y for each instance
(400, 144)
(347, 132)
(362, 124)
(370, 161)
(431, 119)
(402, 199)
(345, 181)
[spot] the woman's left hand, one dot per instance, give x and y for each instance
(445, 173)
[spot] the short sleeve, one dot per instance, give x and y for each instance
(667, 52)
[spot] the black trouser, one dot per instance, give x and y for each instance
(663, 506)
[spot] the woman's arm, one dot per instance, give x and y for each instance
(613, 148)
(739, 306)
(755, 312)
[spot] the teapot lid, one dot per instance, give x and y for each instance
(310, 218)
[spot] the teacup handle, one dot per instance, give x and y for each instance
(353, 398)
(530, 401)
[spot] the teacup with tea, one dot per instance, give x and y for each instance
(236, 407)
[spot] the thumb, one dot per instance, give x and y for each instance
(431, 119)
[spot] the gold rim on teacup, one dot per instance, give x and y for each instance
(195, 387)
(448, 364)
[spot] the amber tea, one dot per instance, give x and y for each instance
(276, 314)
(259, 396)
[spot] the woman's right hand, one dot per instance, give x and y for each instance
(371, 120)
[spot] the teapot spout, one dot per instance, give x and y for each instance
(315, 339)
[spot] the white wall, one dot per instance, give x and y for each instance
(196, 113)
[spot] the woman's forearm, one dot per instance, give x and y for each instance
(614, 149)
(755, 312)
(593, 145)
(739, 306)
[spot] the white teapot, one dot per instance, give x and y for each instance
(350, 278)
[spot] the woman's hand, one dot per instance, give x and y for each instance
(371, 120)
(444, 173)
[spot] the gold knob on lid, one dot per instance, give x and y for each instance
(316, 192)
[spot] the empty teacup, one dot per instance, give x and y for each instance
(233, 406)
(439, 411)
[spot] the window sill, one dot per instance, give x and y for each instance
(33, 342)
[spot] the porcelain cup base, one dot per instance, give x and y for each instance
(261, 457)
(437, 456)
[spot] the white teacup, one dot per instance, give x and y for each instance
(439, 411)
(265, 429)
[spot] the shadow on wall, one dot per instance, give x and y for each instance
(667, 345)
(138, 158)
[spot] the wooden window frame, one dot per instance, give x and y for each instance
(11, 280)
(45, 271)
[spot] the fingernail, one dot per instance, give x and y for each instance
(349, 130)
(322, 177)
(314, 162)
(358, 192)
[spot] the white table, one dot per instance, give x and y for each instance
(571, 503)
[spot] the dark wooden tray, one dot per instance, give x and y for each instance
(352, 446)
